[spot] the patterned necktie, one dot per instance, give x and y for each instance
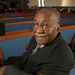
(37, 47)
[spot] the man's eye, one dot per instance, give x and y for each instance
(45, 25)
(35, 23)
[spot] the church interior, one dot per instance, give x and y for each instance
(16, 24)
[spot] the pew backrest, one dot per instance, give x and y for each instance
(1, 57)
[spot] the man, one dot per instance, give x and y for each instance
(48, 53)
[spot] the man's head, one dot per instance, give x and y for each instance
(46, 25)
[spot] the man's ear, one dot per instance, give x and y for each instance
(58, 28)
(34, 30)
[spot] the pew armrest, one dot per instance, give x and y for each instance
(26, 46)
(1, 57)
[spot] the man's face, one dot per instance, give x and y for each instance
(43, 28)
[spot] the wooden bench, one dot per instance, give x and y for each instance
(1, 57)
(26, 22)
(13, 18)
(64, 27)
(17, 23)
(16, 13)
(67, 14)
(22, 14)
(72, 43)
(67, 18)
(11, 15)
(18, 34)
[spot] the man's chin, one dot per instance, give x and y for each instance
(40, 43)
(41, 40)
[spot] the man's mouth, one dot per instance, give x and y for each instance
(40, 35)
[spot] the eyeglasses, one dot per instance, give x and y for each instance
(44, 26)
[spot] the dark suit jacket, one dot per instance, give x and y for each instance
(54, 59)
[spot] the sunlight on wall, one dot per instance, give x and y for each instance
(42, 3)
(67, 2)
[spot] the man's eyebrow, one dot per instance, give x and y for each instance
(35, 21)
(46, 20)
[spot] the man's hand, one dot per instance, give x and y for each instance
(2, 69)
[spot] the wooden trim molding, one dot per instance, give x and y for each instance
(15, 13)
(11, 15)
(68, 18)
(17, 23)
(1, 57)
(6, 37)
(67, 14)
(17, 32)
(67, 27)
(26, 13)
(13, 18)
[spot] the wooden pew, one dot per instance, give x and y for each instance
(23, 34)
(67, 14)
(15, 13)
(67, 18)
(12, 18)
(22, 24)
(72, 42)
(28, 33)
(17, 23)
(26, 22)
(17, 32)
(18, 35)
(26, 12)
(64, 27)
(1, 57)
(11, 15)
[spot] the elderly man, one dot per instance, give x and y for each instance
(48, 53)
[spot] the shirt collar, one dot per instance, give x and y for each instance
(41, 46)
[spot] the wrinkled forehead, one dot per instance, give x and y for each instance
(43, 15)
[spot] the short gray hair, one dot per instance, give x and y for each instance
(54, 11)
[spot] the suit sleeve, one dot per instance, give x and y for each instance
(12, 70)
(17, 61)
(49, 69)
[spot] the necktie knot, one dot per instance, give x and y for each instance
(37, 47)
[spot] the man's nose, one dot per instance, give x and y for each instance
(40, 29)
